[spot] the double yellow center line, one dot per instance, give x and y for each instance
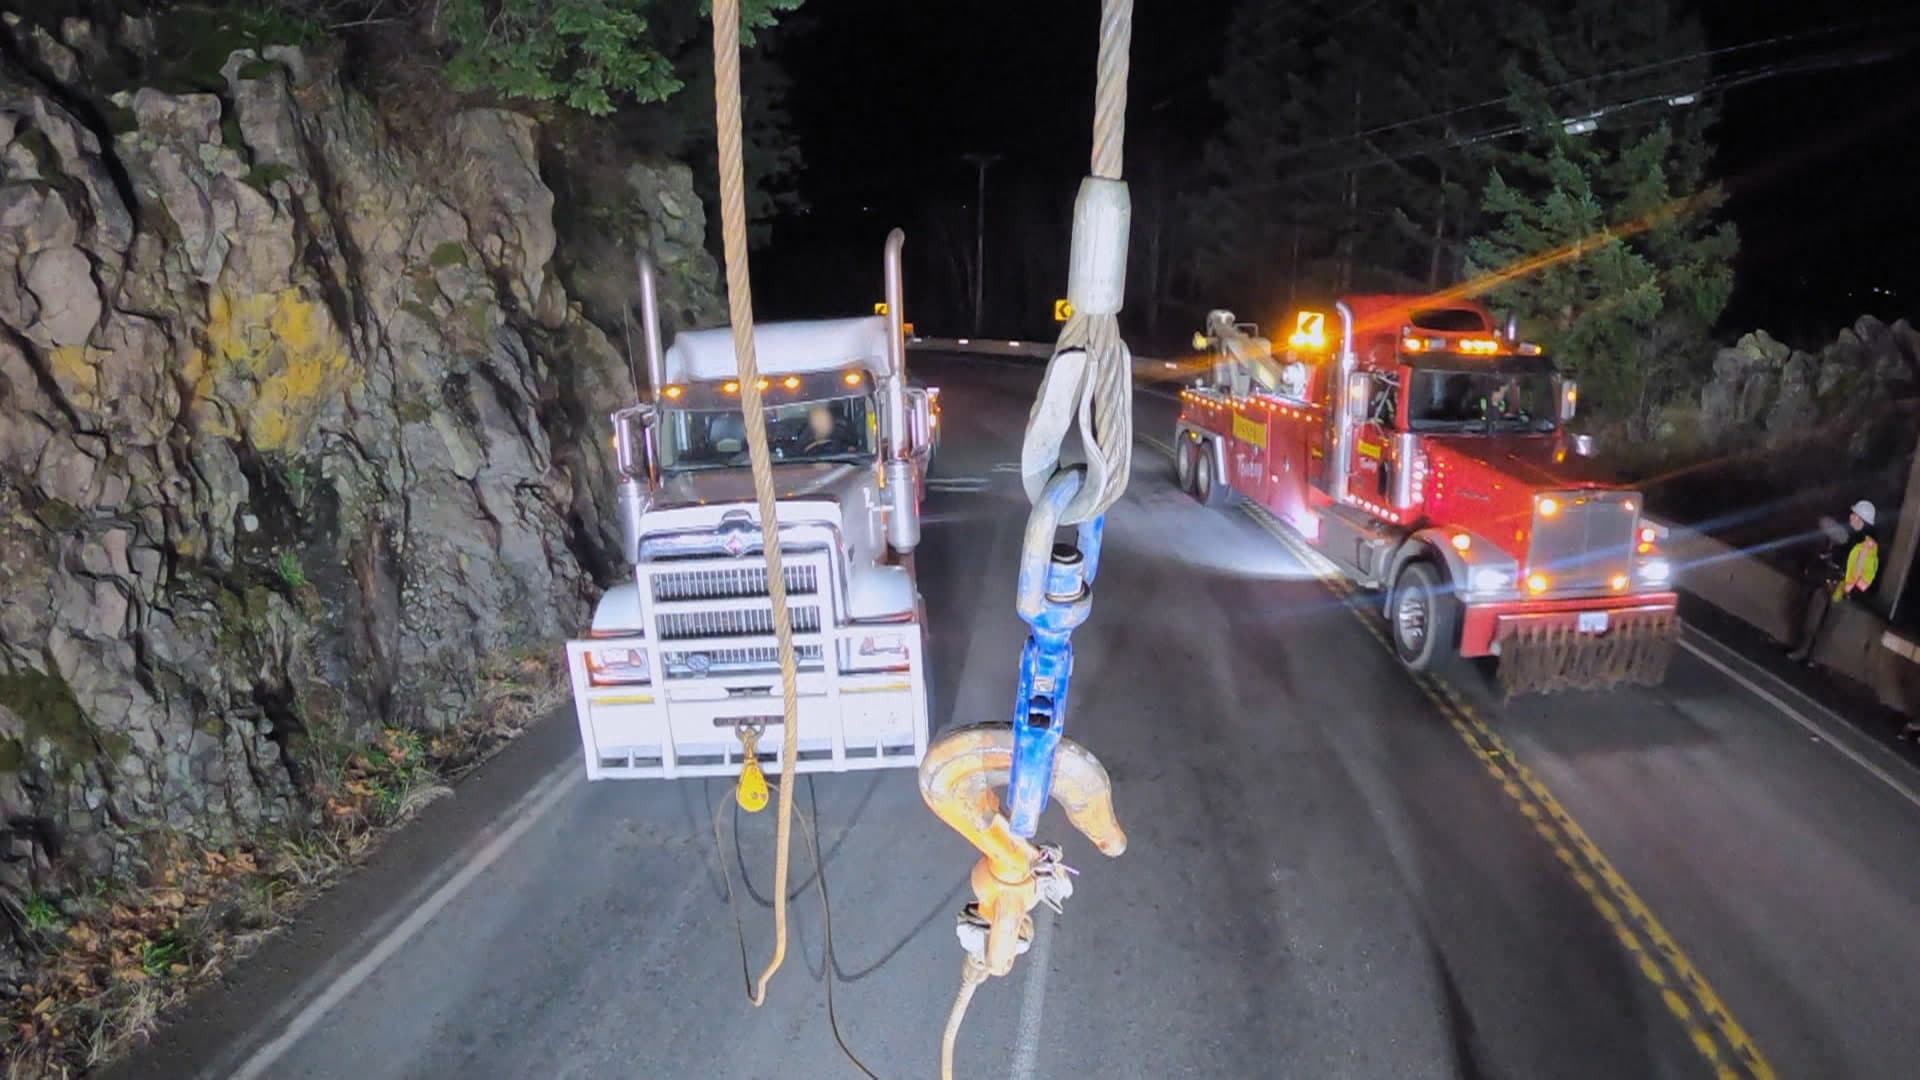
(1709, 1024)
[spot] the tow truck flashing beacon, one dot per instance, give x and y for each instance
(682, 660)
(1423, 453)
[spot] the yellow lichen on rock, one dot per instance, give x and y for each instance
(75, 369)
(286, 350)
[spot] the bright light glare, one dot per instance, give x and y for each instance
(1537, 583)
(1549, 506)
(1461, 541)
(1487, 579)
(1656, 571)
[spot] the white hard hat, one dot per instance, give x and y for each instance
(1864, 509)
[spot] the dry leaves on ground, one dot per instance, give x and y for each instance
(112, 963)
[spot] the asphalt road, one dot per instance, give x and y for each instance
(1335, 870)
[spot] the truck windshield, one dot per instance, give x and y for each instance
(1462, 400)
(837, 429)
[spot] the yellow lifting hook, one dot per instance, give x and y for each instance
(957, 779)
(751, 791)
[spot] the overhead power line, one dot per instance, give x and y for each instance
(1618, 73)
(1860, 57)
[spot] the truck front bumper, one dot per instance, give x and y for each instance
(690, 726)
(1482, 625)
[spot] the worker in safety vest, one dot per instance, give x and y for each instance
(1852, 583)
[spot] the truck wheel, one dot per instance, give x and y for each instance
(1183, 464)
(1422, 618)
(1208, 488)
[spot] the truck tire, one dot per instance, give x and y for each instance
(1212, 491)
(1183, 452)
(1422, 618)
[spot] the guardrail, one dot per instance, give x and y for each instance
(983, 346)
(1149, 372)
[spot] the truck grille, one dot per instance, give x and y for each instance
(680, 665)
(1587, 541)
(732, 583)
(733, 622)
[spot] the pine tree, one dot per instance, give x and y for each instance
(1344, 162)
(1603, 238)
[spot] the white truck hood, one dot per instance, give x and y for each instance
(815, 481)
(842, 495)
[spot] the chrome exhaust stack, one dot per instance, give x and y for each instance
(637, 456)
(903, 517)
(650, 326)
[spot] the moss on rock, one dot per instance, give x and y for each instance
(45, 703)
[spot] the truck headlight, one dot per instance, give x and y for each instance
(1656, 571)
(1488, 579)
(879, 652)
(617, 667)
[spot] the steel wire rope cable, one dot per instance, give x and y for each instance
(733, 228)
(1091, 373)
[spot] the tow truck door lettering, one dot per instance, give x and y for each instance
(1251, 452)
(1249, 430)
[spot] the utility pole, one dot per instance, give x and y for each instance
(980, 161)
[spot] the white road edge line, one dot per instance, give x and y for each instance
(1033, 1002)
(525, 816)
(1826, 734)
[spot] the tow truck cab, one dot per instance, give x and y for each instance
(1423, 452)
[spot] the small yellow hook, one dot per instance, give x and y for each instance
(751, 791)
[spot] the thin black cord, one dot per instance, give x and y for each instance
(826, 913)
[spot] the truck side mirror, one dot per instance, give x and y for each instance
(633, 441)
(921, 411)
(1569, 398)
(633, 448)
(1358, 385)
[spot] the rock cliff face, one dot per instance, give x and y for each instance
(1764, 392)
(298, 429)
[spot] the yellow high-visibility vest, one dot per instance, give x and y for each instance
(1863, 563)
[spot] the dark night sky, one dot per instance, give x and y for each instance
(889, 96)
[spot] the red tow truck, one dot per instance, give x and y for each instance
(1422, 451)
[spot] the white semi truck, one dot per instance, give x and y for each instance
(683, 658)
